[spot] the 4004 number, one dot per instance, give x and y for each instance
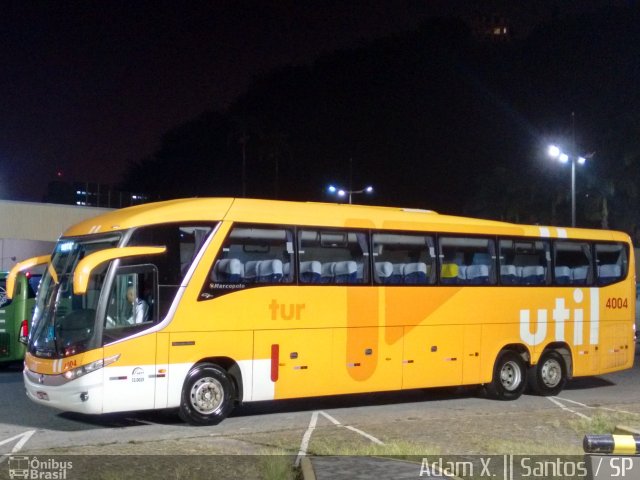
(616, 303)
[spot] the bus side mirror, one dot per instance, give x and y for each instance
(85, 266)
(21, 267)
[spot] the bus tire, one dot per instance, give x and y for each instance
(208, 395)
(509, 377)
(549, 376)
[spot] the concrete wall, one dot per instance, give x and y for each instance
(13, 251)
(28, 229)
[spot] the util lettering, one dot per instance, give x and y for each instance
(560, 315)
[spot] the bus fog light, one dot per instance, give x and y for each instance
(84, 396)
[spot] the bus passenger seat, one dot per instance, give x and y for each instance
(310, 272)
(563, 275)
(269, 271)
(384, 272)
(287, 274)
(462, 274)
(360, 273)
(579, 275)
(533, 275)
(346, 272)
(327, 272)
(449, 274)
(415, 273)
(251, 271)
(509, 275)
(397, 277)
(228, 270)
(609, 273)
(478, 275)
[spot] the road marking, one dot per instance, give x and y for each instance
(24, 438)
(353, 429)
(601, 408)
(564, 407)
(306, 438)
(304, 446)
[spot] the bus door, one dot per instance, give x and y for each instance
(131, 310)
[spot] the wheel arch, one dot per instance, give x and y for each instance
(519, 348)
(232, 368)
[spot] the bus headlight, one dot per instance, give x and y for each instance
(89, 367)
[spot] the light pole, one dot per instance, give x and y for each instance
(342, 193)
(555, 152)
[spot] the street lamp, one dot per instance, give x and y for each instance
(555, 152)
(343, 193)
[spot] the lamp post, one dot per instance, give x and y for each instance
(342, 193)
(555, 152)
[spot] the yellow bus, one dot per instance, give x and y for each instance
(200, 304)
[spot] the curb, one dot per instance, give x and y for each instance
(307, 469)
(625, 430)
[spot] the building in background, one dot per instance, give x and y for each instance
(29, 229)
(88, 194)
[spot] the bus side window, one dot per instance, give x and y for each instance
(404, 259)
(132, 305)
(572, 263)
(251, 256)
(612, 262)
(524, 262)
(333, 257)
(467, 261)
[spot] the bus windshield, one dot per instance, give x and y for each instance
(4, 298)
(63, 323)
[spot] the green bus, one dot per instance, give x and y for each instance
(15, 315)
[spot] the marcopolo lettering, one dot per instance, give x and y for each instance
(560, 315)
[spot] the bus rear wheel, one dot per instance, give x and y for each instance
(207, 395)
(549, 376)
(509, 377)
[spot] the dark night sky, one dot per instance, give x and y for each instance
(88, 86)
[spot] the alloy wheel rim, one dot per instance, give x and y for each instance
(206, 395)
(510, 376)
(551, 373)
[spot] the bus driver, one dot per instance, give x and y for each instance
(139, 308)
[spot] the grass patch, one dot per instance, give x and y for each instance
(602, 423)
(395, 449)
(277, 465)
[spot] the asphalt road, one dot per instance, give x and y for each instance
(442, 418)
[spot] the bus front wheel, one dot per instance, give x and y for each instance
(509, 377)
(207, 395)
(548, 377)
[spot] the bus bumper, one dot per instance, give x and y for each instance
(82, 395)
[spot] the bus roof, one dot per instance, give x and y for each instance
(317, 214)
